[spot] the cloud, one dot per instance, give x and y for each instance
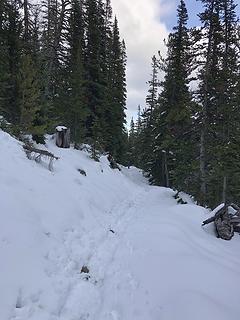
(141, 26)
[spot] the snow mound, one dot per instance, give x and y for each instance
(148, 257)
(61, 128)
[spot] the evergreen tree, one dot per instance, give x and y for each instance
(13, 45)
(228, 118)
(218, 83)
(32, 118)
(108, 72)
(64, 61)
(135, 137)
(131, 144)
(171, 146)
(52, 57)
(209, 76)
(4, 63)
(75, 110)
(117, 96)
(26, 20)
(147, 119)
(29, 96)
(94, 87)
(154, 84)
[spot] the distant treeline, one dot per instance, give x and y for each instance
(188, 135)
(63, 62)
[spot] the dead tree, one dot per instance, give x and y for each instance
(37, 154)
(62, 137)
(226, 222)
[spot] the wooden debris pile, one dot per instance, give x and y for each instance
(226, 220)
(37, 154)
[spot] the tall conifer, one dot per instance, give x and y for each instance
(173, 115)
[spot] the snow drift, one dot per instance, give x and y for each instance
(148, 258)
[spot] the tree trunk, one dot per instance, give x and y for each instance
(26, 21)
(204, 111)
(202, 167)
(224, 195)
(166, 173)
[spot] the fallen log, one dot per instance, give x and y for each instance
(226, 223)
(36, 154)
(219, 213)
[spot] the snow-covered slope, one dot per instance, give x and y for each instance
(148, 258)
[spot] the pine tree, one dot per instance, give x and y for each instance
(218, 83)
(13, 45)
(154, 84)
(32, 118)
(117, 96)
(137, 140)
(63, 61)
(52, 57)
(26, 20)
(75, 108)
(228, 107)
(29, 96)
(131, 144)
(171, 147)
(4, 63)
(94, 87)
(108, 28)
(147, 119)
(107, 41)
(209, 76)
(105, 54)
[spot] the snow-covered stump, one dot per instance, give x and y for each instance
(62, 137)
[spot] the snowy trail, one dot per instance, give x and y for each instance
(90, 290)
(160, 265)
(155, 275)
(148, 257)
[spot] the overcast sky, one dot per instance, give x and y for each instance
(144, 24)
(143, 29)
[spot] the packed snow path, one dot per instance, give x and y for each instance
(148, 257)
(165, 267)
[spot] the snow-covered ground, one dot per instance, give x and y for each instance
(148, 258)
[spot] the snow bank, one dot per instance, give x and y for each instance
(148, 257)
(51, 225)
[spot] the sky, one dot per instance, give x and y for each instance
(144, 24)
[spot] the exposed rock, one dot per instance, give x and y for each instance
(113, 163)
(84, 269)
(82, 172)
